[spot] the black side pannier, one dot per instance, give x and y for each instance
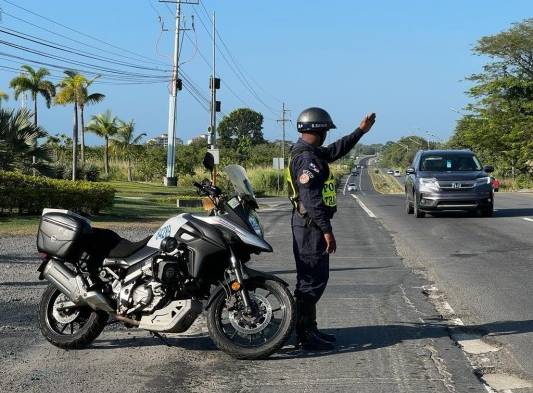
(60, 233)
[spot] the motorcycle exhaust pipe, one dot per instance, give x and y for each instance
(74, 287)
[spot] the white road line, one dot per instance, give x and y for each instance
(366, 209)
(527, 219)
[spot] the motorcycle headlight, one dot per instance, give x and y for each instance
(483, 180)
(253, 219)
(428, 184)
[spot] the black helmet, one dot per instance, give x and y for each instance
(314, 119)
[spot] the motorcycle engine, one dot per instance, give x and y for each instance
(141, 297)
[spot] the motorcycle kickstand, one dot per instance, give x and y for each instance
(162, 338)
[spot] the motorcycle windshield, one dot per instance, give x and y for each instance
(239, 180)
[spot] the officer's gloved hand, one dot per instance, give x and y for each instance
(331, 244)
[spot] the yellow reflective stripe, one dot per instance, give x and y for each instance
(329, 191)
(292, 191)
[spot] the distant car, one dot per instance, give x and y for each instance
(352, 187)
(390, 172)
(495, 184)
(448, 180)
(397, 173)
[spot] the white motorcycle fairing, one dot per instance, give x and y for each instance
(172, 226)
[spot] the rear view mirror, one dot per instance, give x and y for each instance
(410, 171)
(209, 162)
(488, 168)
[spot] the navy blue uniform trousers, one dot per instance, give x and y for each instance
(312, 260)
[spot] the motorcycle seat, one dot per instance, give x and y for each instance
(105, 243)
(124, 248)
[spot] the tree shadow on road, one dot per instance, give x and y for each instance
(365, 338)
(339, 269)
(499, 213)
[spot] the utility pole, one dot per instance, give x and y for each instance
(170, 179)
(283, 120)
(214, 85)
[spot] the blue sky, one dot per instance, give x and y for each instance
(404, 60)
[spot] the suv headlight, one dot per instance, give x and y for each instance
(483, 180)
(428, 184)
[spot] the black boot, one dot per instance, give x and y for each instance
(330, 338)
(306, 338)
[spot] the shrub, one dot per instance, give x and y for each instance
(29, 195)
(91, 173)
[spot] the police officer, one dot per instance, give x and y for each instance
(312, 191)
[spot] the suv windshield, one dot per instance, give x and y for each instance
(446, 162)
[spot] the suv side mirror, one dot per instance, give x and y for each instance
(488, 168)
(410, 171)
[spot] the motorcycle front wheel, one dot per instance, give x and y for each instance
(254, 335)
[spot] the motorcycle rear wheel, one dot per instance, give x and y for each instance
(257, 337)
(68, 329)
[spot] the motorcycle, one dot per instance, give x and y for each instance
(191, 264)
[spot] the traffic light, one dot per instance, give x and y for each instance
(217, 83)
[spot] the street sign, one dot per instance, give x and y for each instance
(216, 155)
(277, 163)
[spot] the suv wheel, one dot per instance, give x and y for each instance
(488, 211)
(416, 211)
(408, 206)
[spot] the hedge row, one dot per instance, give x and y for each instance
(29, 195)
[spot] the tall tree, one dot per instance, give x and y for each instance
(105, 126)
(241, 124)
(3, 97)
(34, 82)
(84, 99)
(125, 140)
(499, 124)
(71, 89)
(18, 136)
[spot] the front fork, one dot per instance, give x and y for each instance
(237, 270)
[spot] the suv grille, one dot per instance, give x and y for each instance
(457, 185)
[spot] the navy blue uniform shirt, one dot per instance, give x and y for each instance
(309, 166)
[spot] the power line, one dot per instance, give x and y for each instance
(64, 48)
(81, 63)
(237, 65)
(79, 32)
(236, 72)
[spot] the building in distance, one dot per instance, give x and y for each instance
(162, 140)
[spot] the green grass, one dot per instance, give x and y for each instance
(135, 204)
(384, 183)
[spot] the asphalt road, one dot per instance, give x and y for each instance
(391, 338)
(482, 267)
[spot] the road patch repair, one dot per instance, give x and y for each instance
(477, 346)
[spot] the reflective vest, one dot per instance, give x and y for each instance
(329, 190)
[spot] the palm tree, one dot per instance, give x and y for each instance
(18, 136)
(125, 140)
(71, 90)
(86, 99)
(3, 97)
(105, 126)
(34, 81)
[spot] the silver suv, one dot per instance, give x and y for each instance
(448, 180)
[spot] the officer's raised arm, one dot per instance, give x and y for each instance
(341, 147)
